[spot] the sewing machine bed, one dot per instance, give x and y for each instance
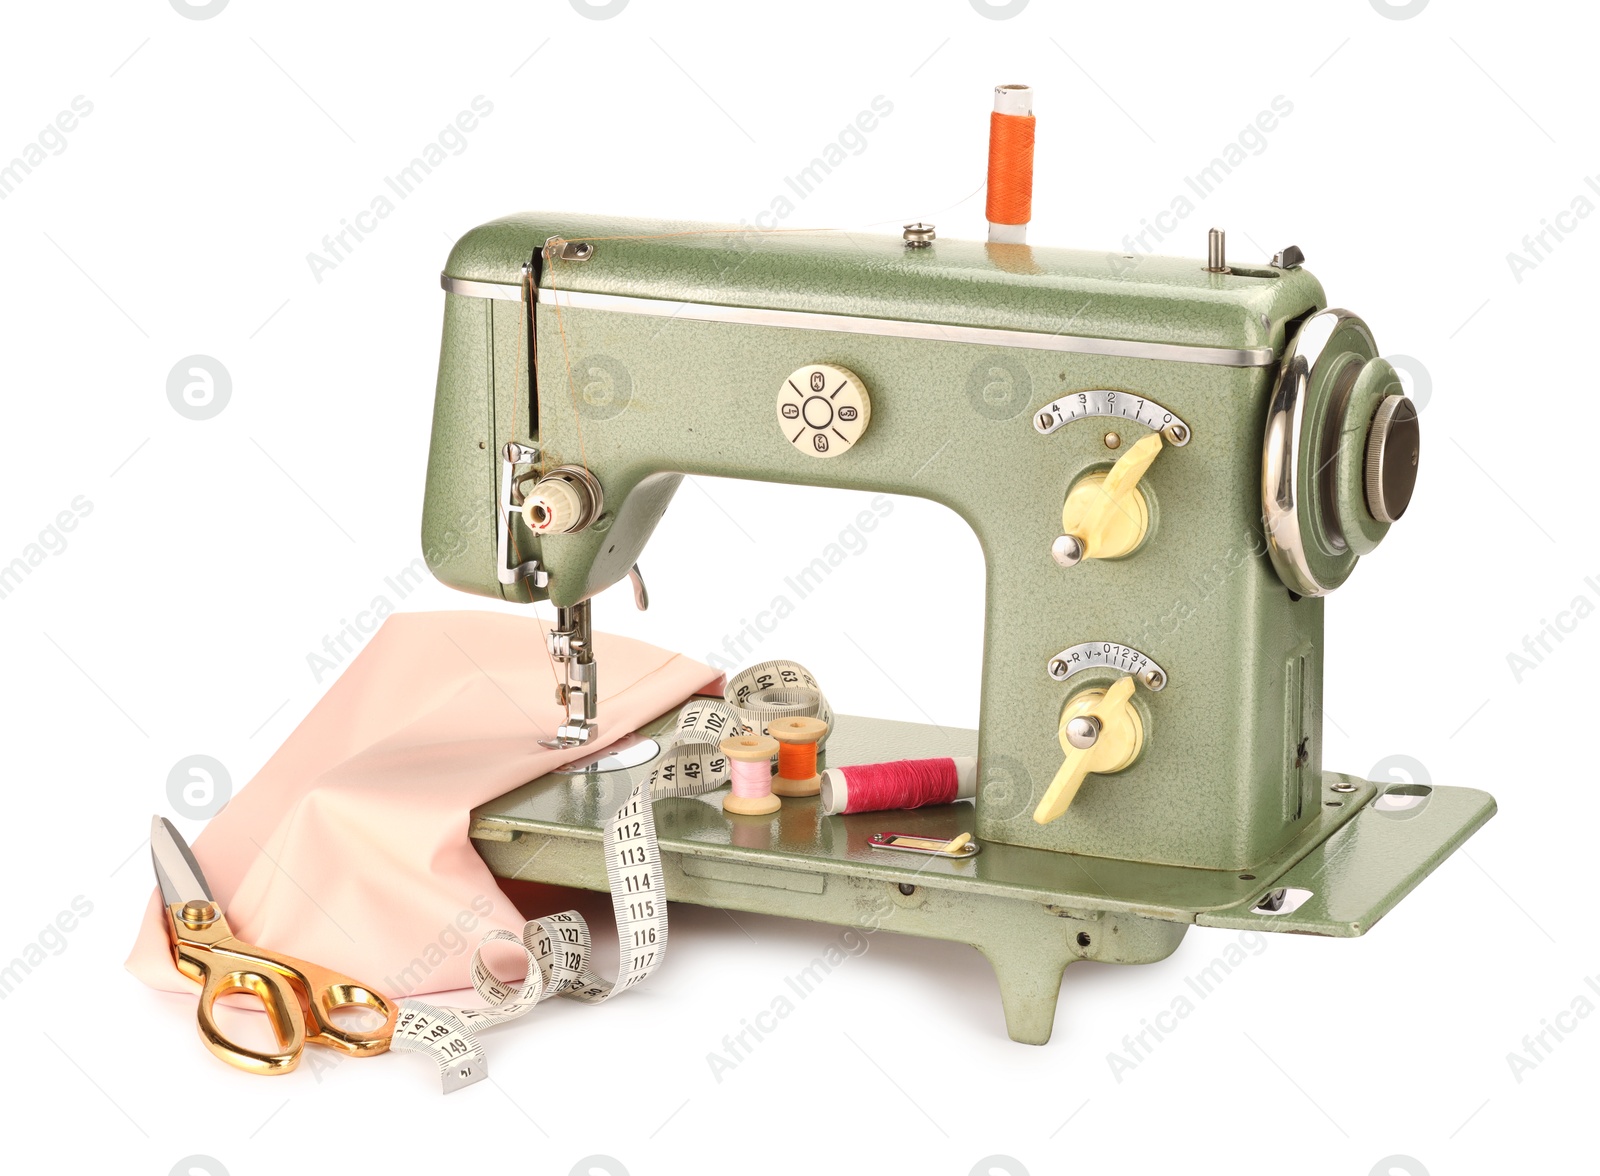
(1357, 862)
(1031, 912)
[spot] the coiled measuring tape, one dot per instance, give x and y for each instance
(558, 952)
(772, 690)
(558, 947)
(692, 762)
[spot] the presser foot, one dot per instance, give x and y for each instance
(571, 645)
(571, 735)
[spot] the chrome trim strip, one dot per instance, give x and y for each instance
(471, 289)
(1280, 456)
(806, 320)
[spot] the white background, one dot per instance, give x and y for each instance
(217, 554)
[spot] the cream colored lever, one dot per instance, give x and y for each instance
(1105, 514)
(1100, 731)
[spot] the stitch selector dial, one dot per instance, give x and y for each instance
(1101, 732)
(1106, 515)
(823, 409)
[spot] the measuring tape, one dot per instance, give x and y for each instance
(558, 950)
(772, 690)
(693, 762)
(558, 947)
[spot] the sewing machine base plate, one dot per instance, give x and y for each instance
(1031, 912)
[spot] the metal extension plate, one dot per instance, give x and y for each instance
(1356, 863)
(1355, 877)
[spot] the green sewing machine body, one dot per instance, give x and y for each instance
(644, 351)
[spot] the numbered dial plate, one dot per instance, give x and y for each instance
(1107, 402)
(823, 409)
(1123, 658)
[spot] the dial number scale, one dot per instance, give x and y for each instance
(1108, 402)
(1123, 658)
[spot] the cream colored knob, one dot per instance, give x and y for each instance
(823, 409)
(553, 507)
(1100, 732)
(1106, 515)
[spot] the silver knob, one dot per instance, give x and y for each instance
(1067, 551)
(918, 236)
(1083, 731)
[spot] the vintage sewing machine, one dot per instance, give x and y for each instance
(1168, 462)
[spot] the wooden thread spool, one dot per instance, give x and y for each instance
(751, 795)
(797, 755)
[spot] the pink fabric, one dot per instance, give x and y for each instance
(350, 847)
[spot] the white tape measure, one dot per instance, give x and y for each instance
(693, 763)
(776, 690)
(557, 949)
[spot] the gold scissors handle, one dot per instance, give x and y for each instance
(220, 976)
(299, 997)
(326, 991)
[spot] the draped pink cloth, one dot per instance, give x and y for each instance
(349, 848)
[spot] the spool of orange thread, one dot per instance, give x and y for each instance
(1010, 201)
(797, 755)
(751, 763)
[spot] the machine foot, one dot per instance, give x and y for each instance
(1030, 983)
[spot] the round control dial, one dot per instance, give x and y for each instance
(1391, 467)
(823, 409)
(1339, 460)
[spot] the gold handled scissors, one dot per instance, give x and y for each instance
(299, 998)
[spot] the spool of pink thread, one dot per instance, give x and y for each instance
(750, 759)
(899, 784)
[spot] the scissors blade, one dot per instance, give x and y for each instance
(176, 870)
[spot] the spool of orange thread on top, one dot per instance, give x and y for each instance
(1010, 200)
(797, 755)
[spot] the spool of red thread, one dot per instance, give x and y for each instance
(899, 784)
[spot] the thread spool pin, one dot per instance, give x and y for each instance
(797, 755)
(1217, 252)
(751, 795)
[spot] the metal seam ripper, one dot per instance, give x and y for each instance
(1170, 462)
